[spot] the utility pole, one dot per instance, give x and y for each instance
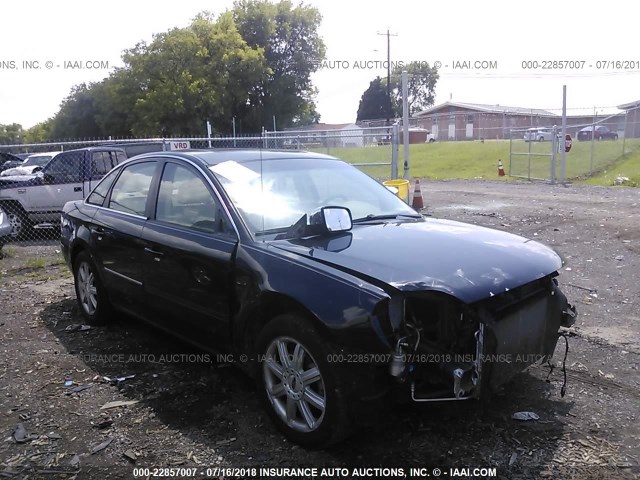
(388, 35)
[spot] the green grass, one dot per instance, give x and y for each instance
(629, 167)
(474, 159)
(35, 263)
(42, 262)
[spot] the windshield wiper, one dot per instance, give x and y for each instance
(397, 216)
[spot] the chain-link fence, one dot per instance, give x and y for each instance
(462, 122)
(369, 148)
(534, 153)
(34, 191)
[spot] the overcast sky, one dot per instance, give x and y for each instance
(503, 33)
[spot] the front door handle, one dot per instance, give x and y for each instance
(77, 189)
(153, 252)
(98, 230)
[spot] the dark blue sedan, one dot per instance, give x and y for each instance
(331, 291)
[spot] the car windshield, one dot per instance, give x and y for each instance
(274, 195)
(36, 160)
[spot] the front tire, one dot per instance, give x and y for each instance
(301, 391)
(90, 293)
(18, 220)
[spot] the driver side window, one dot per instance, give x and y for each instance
(185, 200)
(65, 168)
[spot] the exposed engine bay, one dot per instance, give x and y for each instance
(449, 350)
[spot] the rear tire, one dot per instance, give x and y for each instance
(302, 392)
(92, 298)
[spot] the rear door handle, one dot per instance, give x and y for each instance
(77, 189)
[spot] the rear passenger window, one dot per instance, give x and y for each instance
(99, 164)
(130, 191)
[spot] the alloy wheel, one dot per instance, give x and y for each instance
(294, 384)
(87, 288)
(16, 224)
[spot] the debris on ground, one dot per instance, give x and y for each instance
(525, 416)
(118, 403)
(102, 446)
(77, 327)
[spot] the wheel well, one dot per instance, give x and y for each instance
(268, 307)
(13, 205)
(75, 251)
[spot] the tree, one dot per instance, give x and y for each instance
(374, 103)
(11, 133)
(422, 81)
(39, 133)
(292, 49)
(187, 76)
(76, 117)
(251, 62)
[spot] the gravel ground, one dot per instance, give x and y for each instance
(186, 409)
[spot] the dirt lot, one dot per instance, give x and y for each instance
(193, 411)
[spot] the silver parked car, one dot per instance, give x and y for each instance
(538, 135)
(5, 229)
(32, 164)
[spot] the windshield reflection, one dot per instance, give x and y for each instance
(273, 195)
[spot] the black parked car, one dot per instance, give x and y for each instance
(336, 291)
(9, 160)
(602, 133)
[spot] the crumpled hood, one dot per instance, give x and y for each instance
(466, 261)
(13, 181)
(19, 171)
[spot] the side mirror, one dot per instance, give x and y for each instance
(333, 219)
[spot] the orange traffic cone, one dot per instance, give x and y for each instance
(500, 169)
(417, 202)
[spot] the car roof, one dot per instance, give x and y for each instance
(100, 148)
(216, 156)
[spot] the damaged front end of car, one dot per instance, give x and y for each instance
(446, 349)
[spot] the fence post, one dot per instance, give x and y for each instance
(510, 149)
(624, 135)
(593, 137)
(405, 122)
(394, 150)
(563, 139)
(554, 150)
